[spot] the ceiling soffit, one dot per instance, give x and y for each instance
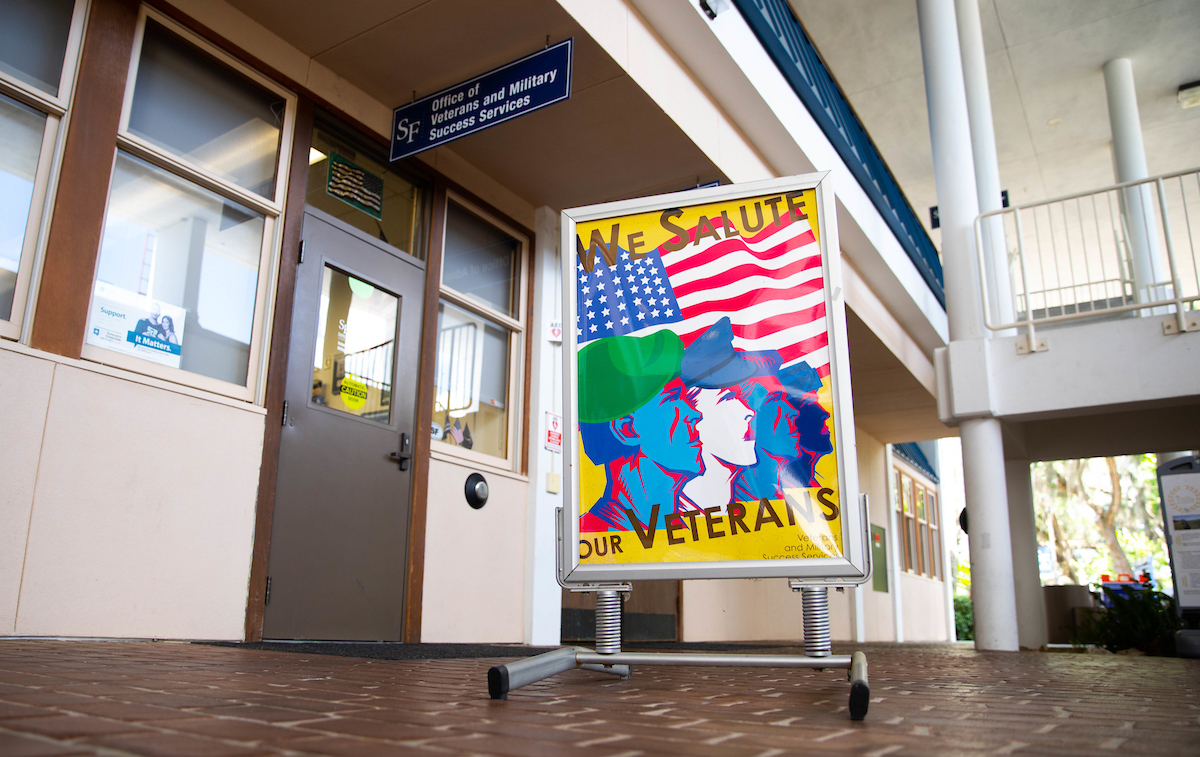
(608, 141)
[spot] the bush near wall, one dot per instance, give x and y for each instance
(964, 619)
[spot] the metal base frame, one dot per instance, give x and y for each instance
(608, 657)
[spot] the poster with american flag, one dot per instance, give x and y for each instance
(708, 403)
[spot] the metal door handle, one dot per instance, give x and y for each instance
(403, 456)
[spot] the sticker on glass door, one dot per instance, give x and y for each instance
(355, 347)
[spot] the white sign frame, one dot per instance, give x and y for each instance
(853, 567)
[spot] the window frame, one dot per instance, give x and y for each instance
(925, 558)
(272, 210)
(57, 111)
(517, 335)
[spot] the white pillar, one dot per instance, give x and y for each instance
(987, 165)
(1031, 604)
(1129, 159)
(543, 595)
(993, 590)
(895, 544)
(983, 453)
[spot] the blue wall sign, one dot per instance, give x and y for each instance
(502, 94)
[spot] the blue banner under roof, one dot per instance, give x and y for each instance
(500, 95)
(914, 456)
(785, 40)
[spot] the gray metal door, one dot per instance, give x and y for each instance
(339, 540)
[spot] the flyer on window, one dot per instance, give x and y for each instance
(134, 324)
(705, 407)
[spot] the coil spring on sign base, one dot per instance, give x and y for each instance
(608, 622)
(816, 621)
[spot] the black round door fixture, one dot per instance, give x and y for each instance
(476, 491)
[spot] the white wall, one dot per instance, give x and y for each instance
(873, 479)
(131, 512)
(474, 559)
(924, 608)
(543, 595)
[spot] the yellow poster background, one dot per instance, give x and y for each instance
(819, 537)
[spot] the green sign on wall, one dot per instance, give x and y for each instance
(879, 563)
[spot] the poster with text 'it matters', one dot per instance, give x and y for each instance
(705, 416)
(136, 324)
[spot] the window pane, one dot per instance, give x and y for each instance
(33, 40)
(906, 493)
(178, 274)
(920, 491)
(354, 186)
(193, 107)
(480, 260)
(21, 132)
(356, 340)
(931, 508)
(910, 541)
(923, 548)
(935, 554)
(471, 382)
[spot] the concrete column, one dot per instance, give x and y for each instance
(987, 166)
(895, 545)
(1022, 519)
(993, 590)
(1129, 160)
(983, 454)
(543, 595)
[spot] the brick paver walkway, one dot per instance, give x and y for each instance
(186, 700)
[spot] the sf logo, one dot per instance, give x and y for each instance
(406, 131)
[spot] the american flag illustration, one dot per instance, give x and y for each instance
(769, 285)
(349, 182)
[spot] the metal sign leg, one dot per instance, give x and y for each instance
(608, 633)
(608, 657)
(816, 621)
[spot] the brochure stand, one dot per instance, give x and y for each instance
(607, 657)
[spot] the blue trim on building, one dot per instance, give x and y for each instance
(910, 453)
(786, 42)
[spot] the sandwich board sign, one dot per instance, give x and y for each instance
(708, 427)
(1179, 495)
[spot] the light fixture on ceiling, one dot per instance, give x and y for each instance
(1054, 121)
(1189, 95)
(315, 156)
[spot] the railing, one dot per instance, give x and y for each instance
(373, 367)
(789, 46)
(1112, 252)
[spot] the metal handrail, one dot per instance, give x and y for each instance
(1156, 226)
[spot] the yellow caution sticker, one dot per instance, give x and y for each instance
(354, 393)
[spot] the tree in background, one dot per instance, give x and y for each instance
(1100, 515)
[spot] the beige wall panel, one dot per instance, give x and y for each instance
(877, 607)
(924, 608)
(474, 559)
(26, 382)
(873, 479)
(144, 516)
(751, 609)
(754, 609)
